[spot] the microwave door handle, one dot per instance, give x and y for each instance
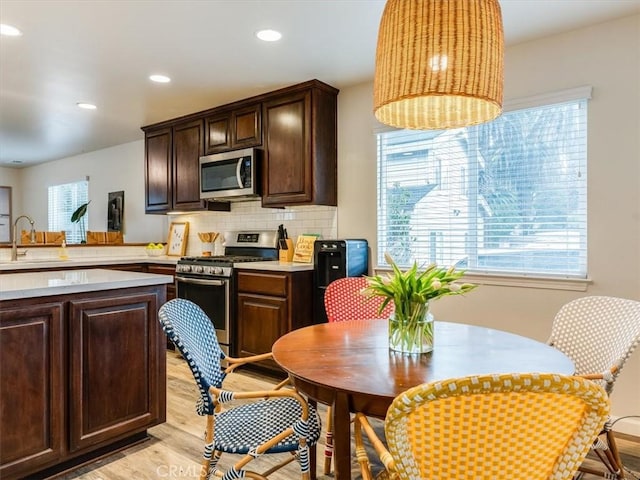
(239, 174)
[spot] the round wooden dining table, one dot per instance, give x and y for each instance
(349, 366)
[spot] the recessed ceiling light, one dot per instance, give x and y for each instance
(9, 31)
(86, 106)
(269, 35)
(159, 78)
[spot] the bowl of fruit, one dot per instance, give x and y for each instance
(154, 249)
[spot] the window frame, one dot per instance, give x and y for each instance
(520, 279)
(72, 231)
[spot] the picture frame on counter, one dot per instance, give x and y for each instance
(177, 241)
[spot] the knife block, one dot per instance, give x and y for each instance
(287, 255)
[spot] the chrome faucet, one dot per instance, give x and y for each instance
(14, 244)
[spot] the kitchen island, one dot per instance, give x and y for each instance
(82, 366)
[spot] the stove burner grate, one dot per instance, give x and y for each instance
(218, 259)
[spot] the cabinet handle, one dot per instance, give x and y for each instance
(217, 283)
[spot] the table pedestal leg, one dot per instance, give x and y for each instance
(341, 437)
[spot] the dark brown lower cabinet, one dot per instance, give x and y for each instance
(271, 304)
(32, 393)
(79, 374)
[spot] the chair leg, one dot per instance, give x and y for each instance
(328, 450)
(208, 449)
(614, 456)
(607, 451)
(313, 463)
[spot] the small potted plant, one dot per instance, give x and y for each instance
(78, 217)
(411, 324)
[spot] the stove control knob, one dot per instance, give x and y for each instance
(216, 271)
(198, 268)
(184, 268)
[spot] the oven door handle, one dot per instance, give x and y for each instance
(197, 281)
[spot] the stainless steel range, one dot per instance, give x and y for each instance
(209, 281)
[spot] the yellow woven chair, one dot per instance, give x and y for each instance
(509, 426)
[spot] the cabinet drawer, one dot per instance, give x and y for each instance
(162, 269)
(264, 283)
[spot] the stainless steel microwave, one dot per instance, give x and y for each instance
(230, 175)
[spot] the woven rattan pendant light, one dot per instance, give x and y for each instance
(439, 63)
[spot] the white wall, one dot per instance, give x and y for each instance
(605, 56)
(109, 170)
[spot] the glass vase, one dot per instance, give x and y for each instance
(411, 329)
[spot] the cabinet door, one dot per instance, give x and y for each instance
(158, 174)
(246, 127)
(32, 393)
(117, 369)
(261, 321)
(233, 129)
(188, 147)
(218, 133)
(287, 164)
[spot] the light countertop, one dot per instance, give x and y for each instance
(274, 265)
(27, 265)
(39, 284)
(32, 264)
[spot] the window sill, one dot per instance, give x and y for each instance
(549, 283)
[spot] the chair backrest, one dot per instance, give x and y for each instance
(533, 426)
(343, 300)
(104, 238)
(194, 335)
(597, 333)
(55, 238)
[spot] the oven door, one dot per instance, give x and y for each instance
(213, 296)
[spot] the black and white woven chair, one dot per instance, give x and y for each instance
(599, 334)
(279, 420)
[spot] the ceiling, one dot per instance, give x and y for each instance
(102, 52)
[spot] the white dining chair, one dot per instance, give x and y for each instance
(599, 334)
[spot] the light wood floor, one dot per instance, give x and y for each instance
(175, 447)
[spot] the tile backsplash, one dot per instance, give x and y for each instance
(250, 215)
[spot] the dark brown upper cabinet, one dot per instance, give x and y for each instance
(172, 156)
(300, 146)
(188, 147)
(295, 126)
(158, 163)
(234, 129)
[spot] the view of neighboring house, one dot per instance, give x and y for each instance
(508, 196)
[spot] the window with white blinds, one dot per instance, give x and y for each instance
(63, 201)
(504, 197)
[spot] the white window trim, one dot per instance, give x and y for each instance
(521, 280)
(524, 281)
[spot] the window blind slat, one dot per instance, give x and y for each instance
(63, 200)
(509, 196)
